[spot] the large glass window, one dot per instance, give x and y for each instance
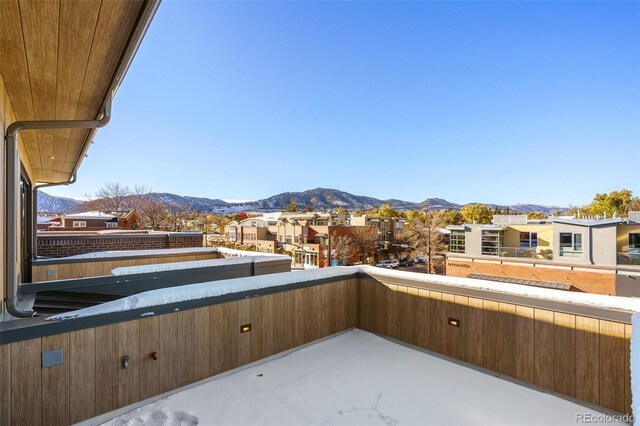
(528, 239)
(491, 242)
(634, 241)
(456, 242)
(570, 244)
(26, 228)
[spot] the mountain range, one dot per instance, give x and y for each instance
(317, 199)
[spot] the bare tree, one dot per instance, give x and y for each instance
(364, 239)
(153, 212)
(422, 231)
(342, 247)
(115, 197)
(177, 216)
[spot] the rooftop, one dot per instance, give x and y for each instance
(356, 378)
(588, 222)
(90, 215)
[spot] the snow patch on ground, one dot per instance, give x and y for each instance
(357, 378)
(158, 417)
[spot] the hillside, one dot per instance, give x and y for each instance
(52, 204)
(317, 199)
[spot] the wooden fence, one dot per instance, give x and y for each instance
(584, 357)
(52, 270)
(190, 346)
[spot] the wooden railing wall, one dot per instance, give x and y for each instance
(190, 346)
(51, 271)
(585, 358)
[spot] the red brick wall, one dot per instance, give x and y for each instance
(590, 282)
(70, 245)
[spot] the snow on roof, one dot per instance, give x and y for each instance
(587, 222)
(272, 217)
(90, 215)
(357, 378)
(177, 266)
(135, 253)
(237, 285)
(197, 291)
(44, 219)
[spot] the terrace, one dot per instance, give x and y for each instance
(569, 353)
(128, 328)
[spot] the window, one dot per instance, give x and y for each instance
(112, 224)
(456, 242)
(79, 224)
(26, 227)
(528, 239)
(311, 259)
(570, 244)
(634, 241)
(491, 242)
(288, 239)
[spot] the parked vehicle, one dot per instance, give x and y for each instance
(383, 264)
(421, 259)
(393, 263)
(406, 261)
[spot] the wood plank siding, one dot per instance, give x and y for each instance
(582, 357)
(59, 58)
(103, 267)
(186, 346)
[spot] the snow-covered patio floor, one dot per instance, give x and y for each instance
(357, 378)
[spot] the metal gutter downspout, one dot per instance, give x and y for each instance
(12, 179)
(34, 213)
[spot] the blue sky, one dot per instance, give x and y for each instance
(484, 101)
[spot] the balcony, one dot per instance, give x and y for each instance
(629, 257)
(462, 344)
(526, 252)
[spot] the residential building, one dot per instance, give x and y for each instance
(245, 234)
(98, 220)
(390, 230)
(593, 255)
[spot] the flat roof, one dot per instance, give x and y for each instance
(534, 283)
(588, 222)
(355, 378)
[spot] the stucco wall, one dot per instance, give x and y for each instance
(603, 245)
(559, 228)
(512, 235)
